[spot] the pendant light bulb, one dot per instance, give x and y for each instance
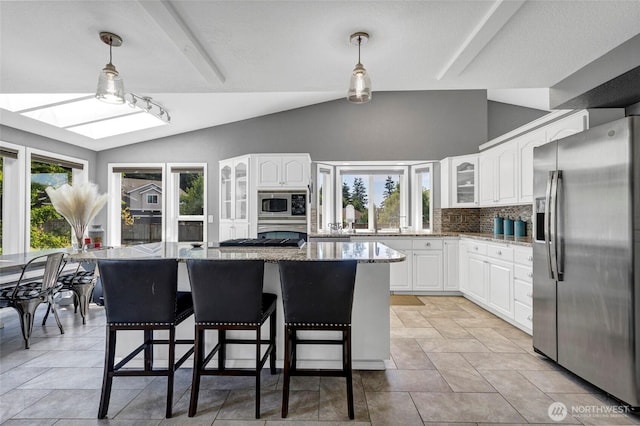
(360, 83)
(110, 85)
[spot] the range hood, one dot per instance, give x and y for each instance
(610, 81)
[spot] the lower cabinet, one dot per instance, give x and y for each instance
(232, 230)
(500, 282)
(498, 278)
(427, 270)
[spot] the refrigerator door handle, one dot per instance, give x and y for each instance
(553, 226)
(557, 237)
(547, 223)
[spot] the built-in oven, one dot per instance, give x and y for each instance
(283, 204)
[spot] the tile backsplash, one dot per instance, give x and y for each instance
(478, 219)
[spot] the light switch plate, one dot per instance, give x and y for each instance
(210, 218)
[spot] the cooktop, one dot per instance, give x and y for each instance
(263, 242)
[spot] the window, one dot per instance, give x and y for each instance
(145, 205)
(136, 204)
(47, 228)
(12, 198)
(422, 190)
(378, 195)
(324, 195)
(188, 189)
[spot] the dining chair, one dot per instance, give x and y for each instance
(81, 283)
(228, 296)
(142, 294)
(317, 296)
(28, 293)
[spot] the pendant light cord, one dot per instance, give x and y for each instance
(359, 42)
(110, 45)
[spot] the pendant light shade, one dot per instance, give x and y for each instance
(360, 84)
(110, 85)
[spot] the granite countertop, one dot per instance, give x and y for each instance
(363, 252)
(510, 239)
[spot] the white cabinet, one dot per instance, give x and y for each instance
(498, 175)
(234, 198)
(567, 126)
(498, 277)
(575, 123)
(523, 288)
(476, 286)
(231, 230)
(451, 265)
(278, 171)
(526, 143)
(501, 286)
(427, 270)
(459, 181)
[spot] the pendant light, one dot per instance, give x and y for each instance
(110, 85)
(360, 84)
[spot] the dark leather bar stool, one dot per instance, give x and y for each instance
(317, 296)
(27, 294)
(228, 295)
(142, 295)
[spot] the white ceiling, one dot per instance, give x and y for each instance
(215, 62)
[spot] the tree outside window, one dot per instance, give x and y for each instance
(48, 229)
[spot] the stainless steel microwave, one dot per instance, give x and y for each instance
(282, 204)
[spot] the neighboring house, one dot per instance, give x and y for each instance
(144, 199)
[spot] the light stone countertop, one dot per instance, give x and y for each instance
(496, 238)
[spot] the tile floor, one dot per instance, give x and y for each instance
(451, 363)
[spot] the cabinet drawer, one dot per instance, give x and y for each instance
(524, 273)
(477, 248)
(523, 255)
(427, 244)
(500, 252)
(523, 315)
(523, 292)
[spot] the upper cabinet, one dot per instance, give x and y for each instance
(459, 181)
(498, 176)
(234, 188)
(562, 128)
(280, 171)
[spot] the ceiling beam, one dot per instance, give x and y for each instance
(497, 16)
(169, 21)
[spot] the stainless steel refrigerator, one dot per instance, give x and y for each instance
(586, 291)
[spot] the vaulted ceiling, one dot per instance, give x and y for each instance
(214, 62)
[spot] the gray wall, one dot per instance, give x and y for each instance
(502, 118)
(428, 125)
(31, 140)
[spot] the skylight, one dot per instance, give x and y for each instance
(81, 113)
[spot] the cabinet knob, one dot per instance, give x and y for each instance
(475, 248)
(529, 318)
(499, 253)
(530, 274)
(529, 295)
(530, 258)
(427, 244)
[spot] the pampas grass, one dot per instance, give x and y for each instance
(78, 204)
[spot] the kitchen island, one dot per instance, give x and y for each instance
(370, 318)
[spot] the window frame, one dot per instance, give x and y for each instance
(77, 176)
(416, 196)
(114, 232)
(378, 170)
(323, 220)
(14, 228)
(173, 200)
